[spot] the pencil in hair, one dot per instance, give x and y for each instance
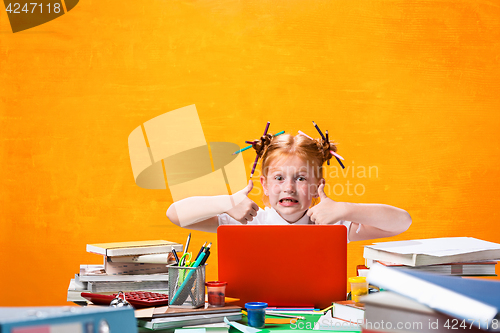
(326, 133)
(336, 155)
(320, 133)
(243, 149)
(340, 162)
(304, 134)
(248, 147)
(254, 165)
(267, 127)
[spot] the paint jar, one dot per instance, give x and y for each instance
(216, 291)
(359, 287)
(256, 314)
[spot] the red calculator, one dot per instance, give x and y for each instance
(138, 299)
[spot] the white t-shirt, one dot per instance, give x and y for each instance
(270, 216)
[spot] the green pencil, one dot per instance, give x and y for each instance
(248, 147)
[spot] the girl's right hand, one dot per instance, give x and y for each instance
(245, 209)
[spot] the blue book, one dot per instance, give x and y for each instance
(67, 319)
(473, 301)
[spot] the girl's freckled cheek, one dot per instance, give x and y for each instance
(304, 190)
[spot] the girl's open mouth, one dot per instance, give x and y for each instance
(288, 202)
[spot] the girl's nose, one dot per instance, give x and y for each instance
(289, 186)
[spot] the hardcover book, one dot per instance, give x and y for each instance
(134, 248)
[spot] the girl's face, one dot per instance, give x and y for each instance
(290, 185)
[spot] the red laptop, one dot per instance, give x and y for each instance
(286, 266)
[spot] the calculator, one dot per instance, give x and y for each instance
(138, 299)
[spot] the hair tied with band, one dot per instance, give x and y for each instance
(261, 145)
(327, 149)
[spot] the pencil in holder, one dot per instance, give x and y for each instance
(186, 286)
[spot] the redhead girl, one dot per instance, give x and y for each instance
(293, 184)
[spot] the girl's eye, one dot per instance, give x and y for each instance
(278, 178)
(301, 179)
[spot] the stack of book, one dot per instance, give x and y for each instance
(169, 317)
(416, 299)
(127, 266)
(460, 256)
(430, 303)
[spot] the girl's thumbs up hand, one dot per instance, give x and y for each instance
(321, 191)
(244, 208)
(327, 211)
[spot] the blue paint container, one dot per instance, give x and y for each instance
(256, 314)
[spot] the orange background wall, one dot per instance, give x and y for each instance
(408, 87)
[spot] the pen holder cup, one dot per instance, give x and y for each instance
(186, 286)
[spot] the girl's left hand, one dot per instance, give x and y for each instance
(327, 211)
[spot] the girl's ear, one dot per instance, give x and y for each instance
(263, 181)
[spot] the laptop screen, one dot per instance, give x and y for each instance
(287, 266)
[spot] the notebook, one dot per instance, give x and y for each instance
(287, 266)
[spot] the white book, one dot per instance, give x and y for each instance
(159, 258)
(125, 268)
(349, 313)
(419, 252)
(134, 248)
(79, 285)
(98, 287)
(122, 278)
(74, 292)
(175, 322)
(469, 268)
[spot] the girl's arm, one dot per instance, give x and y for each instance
(200, 213)
(369, 221)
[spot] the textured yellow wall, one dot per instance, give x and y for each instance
(409, 88)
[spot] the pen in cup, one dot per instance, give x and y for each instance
(175, 256)
(187, 243)
(185, 250)
(207, 254)
(201, 250)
